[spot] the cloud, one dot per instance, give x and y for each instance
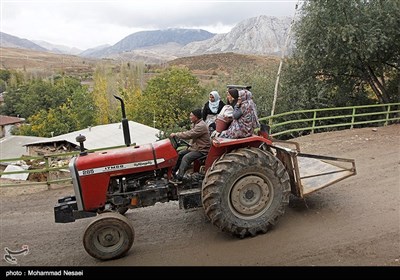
(89, 23)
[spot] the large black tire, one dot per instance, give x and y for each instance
(108, 237)
(245, 192)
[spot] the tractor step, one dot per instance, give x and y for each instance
(190, 198)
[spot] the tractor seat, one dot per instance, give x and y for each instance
(199, 162)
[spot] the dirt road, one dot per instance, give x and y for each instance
(355, 222)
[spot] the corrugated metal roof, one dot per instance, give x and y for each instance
(107, 135)
(13, 146)
(4, 120)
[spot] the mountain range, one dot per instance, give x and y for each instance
(262, 35)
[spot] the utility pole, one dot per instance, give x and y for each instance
(280, 65)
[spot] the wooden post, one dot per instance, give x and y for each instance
(47, 161)
(280, 67)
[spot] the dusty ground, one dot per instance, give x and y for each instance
(355, 222)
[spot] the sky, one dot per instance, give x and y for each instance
(87, 24)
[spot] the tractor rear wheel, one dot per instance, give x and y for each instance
(108, 237)
(245, 192)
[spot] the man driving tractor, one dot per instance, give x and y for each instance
(199, 145)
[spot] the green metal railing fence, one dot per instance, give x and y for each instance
(325, 119)
(280, 124)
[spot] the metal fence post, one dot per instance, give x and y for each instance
(353, 115)
(313, 122)
(387, 116)
(47, 161)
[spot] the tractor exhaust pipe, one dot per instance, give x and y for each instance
(125, 124)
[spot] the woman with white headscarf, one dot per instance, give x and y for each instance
(211, 109)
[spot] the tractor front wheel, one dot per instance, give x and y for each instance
(108, 237)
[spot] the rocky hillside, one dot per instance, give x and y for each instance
(208, 68)
(262, 35)
(10, 41)
(223, 62)
(55, 48)
(44, 62)
(259, 35)
(148, 39)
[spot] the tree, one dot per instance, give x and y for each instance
(12, 81)
(101, 98)
(168, 99)
(76, 113)
(56, 108)
(129, 84)
(81, 108)
(349, 47)
(49, 123)
(28, 99)
(261, 80)
(4, 78)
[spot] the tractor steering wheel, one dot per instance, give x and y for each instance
(183, 143)
(174, 141)
(177, 142)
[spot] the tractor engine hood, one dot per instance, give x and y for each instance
(91, 173)
(144, 157)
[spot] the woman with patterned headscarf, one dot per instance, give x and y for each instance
(211, 109)
(245, 118)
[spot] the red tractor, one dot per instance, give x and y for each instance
(242, 184)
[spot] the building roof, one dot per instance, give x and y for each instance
(108, 135)
(13, 146)
(5, 120)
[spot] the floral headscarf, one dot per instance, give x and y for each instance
(243, 126)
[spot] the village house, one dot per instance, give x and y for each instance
(7, 123)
